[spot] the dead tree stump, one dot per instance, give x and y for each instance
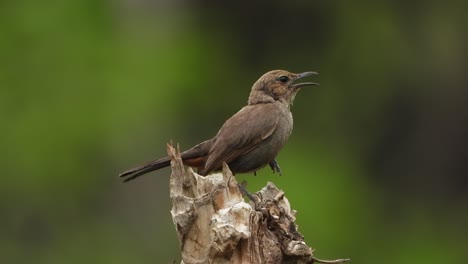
(215, 225)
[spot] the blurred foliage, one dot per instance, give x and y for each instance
(376, 166)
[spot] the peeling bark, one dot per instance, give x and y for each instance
(215, 225)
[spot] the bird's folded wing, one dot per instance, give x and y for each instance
(242, 133)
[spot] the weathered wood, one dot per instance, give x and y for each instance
(215, 225)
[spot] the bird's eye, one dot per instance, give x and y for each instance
(283, 79)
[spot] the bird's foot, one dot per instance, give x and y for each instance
(274, 165)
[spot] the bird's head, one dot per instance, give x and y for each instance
(278, 85)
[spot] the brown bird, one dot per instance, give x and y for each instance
(251, 138)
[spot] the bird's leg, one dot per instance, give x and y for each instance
(274, 165)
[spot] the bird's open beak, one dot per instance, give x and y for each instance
(302, 75)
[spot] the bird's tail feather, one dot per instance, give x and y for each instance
(196, 154)
(143, 169)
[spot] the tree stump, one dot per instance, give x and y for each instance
(215, 225)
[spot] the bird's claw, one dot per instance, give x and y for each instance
(274, 165)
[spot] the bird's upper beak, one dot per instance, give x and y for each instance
(302, 75)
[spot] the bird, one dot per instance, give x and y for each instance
(251, 138)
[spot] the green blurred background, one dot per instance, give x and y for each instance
(377, 165)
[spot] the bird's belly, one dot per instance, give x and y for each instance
(253, 160)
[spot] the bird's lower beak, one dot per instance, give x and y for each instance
(302, 75)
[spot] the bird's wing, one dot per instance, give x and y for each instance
(241, 133)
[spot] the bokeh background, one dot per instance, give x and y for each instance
(377, 164)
